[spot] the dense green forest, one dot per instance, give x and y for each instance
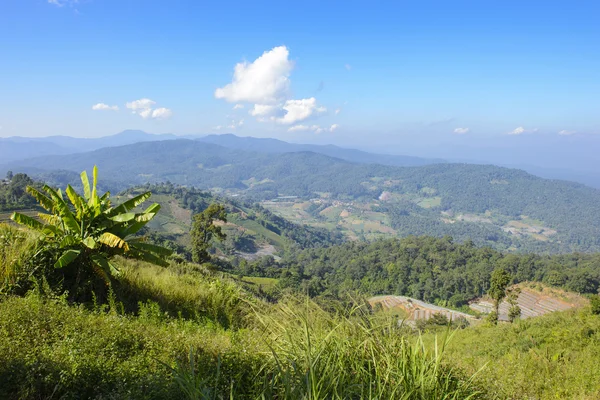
(571, 210)
(13, 195)
(435, 270)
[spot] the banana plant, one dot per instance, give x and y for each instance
(89, 231)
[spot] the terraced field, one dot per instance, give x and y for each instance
(416, 309)
(533, 303)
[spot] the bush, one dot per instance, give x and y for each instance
(595, 304)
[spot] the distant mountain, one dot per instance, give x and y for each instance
(500, 207)
(19, 148)
(278, 146)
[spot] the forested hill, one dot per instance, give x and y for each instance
(435, 270)
(503, 207)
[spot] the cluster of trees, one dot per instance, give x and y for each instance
(13, 192)
(435, 270)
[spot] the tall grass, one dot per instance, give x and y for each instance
(311, 354)
(17, 246)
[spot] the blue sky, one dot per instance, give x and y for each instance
(355, 73)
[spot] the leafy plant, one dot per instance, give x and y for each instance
(83, 236)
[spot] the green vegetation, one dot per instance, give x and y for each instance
(204, 230)
(13, 192)
(438, 271)
(570, 212)
(242, 330)
(78, 240)
(498, 284)
(554, 356)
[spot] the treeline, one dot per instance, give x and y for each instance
(435, 270)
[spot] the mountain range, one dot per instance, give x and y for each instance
(501, 207)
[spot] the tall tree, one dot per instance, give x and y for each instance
(497, 291)
(512, 296)
(204, 231)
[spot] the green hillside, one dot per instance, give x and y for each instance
(504, 208)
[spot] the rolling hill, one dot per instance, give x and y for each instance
(501, 207)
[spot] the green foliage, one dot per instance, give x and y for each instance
(294, 350)
(595, 304)
(554, 356)
(17, 246)
(204, 230)
(82, 236)
(514, 311)
(426, 268)
(498, 284)
(573, 210)
(13, 192)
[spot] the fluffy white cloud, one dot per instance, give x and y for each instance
(566, 132)
(337, 111)
(299, 110)
(517, 131)
(238, 106)
(144, 108)
(264, 81)
(265, 110)
(162, 113)
(102, 106)
(299, 128)
(461, 131)
(333, 127)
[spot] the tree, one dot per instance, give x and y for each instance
(497, 291)
(9, 175)
(204, 230)
(81, 238)
(514, 311)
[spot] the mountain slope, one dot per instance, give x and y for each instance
(505, 208)
(278, 146)
(18, 148)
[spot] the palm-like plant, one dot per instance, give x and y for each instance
(87, 233)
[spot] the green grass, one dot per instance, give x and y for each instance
(265, 283)
(16, 247)
(550, 357)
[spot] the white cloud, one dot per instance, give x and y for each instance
(299, 110)
(144, 108)
(141, 104)
(520, 130)
(298, 128)
(314, 128)
(337, 111)
(102, 106)
(461, 131)
(264, 110)
(241, 123)
(517, 131)
(218, 127)
(61, 3)
(162, 113)
(565, 132)
(264, 81)
(238, 106)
